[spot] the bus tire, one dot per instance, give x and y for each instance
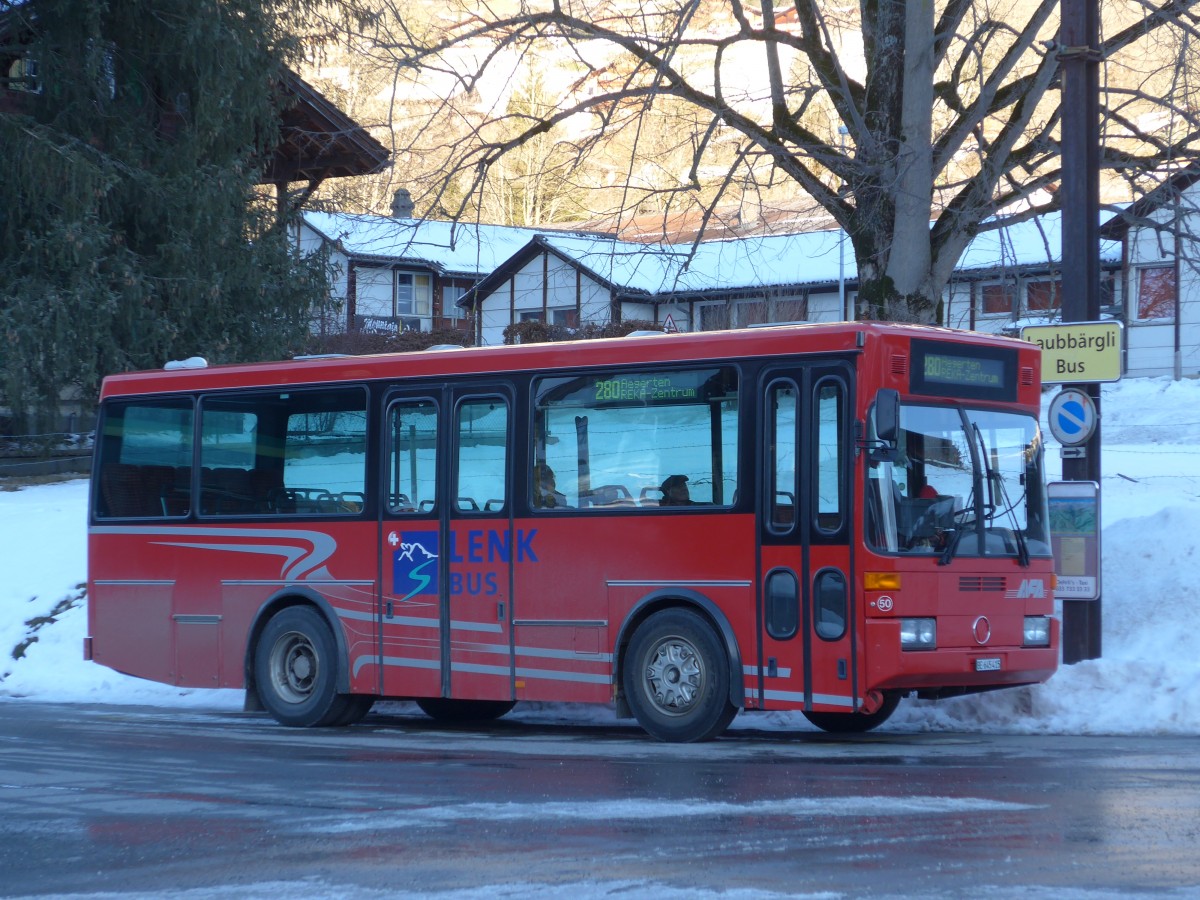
(356, 706)
(295, 670)
(676, 678)
(444, 710)
(856, 723)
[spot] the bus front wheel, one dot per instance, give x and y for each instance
(855, 723)
(295, 670)
(676, 678)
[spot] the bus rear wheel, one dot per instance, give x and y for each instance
(464, 710)
(676, 678)
(295, 671)
(856, 723)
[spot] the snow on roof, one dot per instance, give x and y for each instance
(448, 247)
(767, 261)
(810, 258)
(1037, 241)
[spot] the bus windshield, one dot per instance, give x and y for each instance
(963, 482)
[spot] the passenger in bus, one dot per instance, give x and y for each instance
(546, 494)
(675, 491)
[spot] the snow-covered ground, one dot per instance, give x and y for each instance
(1145, 682)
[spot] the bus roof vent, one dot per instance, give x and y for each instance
(1026, 376)
(446, 347)
(645, 332)
(192, 362)
(899, 365)
(306, 356)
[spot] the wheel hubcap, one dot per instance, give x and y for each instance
(294, 667)
(675, 676)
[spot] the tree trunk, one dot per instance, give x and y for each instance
(892, 230)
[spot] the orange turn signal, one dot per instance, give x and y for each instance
(881, 581)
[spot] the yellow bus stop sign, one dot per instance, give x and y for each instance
(1077, 352)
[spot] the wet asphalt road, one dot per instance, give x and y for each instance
(97, 799)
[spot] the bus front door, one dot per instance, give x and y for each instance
(806, 632)
(448, 547)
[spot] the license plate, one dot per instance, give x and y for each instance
(990, 664)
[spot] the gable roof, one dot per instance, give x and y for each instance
(1166, 194)
(317, 140)
(449, 248)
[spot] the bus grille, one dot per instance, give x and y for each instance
(976, 584)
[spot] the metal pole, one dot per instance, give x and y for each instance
(1080, 62)
(1178, 287)
(848, 313)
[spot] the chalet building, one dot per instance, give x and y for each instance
(398, 272)
(1160, 274)
(395, 273)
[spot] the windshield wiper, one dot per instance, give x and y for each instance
(1018, 535)
(995, 485)
(951, 547)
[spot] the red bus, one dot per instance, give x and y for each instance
(822, 517)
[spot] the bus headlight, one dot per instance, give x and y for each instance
(1037, 631)
(918, 634)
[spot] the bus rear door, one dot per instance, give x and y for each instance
(806, 643)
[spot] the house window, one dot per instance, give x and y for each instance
(567, 317)
(744, 313)
(789, 309)
(1043, 296)
(997, 299)
(1156, 292)
(714, 316)
(750, 312)
(451, 294)
(414, 294)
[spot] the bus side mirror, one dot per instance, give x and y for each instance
(887, 415)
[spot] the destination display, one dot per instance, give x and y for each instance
(647, 388)
(945, 369)
(972, 373)
(639, 388)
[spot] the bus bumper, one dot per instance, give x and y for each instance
(974, 668)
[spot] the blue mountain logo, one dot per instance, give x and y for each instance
(415, 565)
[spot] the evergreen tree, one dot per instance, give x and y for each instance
(131, 227)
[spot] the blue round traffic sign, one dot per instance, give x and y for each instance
(1072, 417)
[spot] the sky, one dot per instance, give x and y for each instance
(1144, 682)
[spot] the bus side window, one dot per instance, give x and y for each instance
(616, 441)
(830, 487)
(782, 499)
(412, 458)
(145, 460)
(482, 455)
(292, 453)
